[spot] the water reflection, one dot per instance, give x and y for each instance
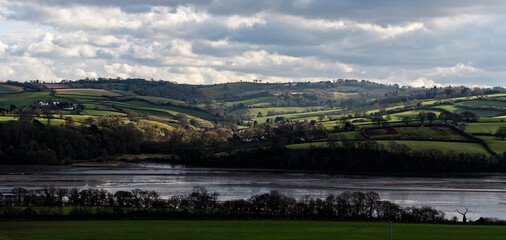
(483, 196)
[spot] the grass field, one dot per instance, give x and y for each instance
(26, 98)
(480, 113)
(5, 88)
(484, 127)
(154, 100)
(413, 114)
(282, 110)
(87, 92)
(259, 101)
(8, 118)
(170, 109)
(444, 147)
(168, 229)
(156, 124)
(478, 103)
(102, 113)
(301, 116)
(427, 132)
(348, 135)
(308, 145)
(496, 144)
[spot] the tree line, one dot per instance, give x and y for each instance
(34, 143)
(358, 156)
(199, 203)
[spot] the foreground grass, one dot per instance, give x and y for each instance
(167, 229)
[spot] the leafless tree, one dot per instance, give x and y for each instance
(464, 219)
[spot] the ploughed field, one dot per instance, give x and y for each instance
(169, 229)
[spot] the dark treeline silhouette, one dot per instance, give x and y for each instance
(34, 143)
(363, 156)
(98, 203)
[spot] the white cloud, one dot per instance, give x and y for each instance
(236, 21)
(217, 41)
(124, 70)
(458, 69)
(422, 82)
(3, 47)
(391, 31)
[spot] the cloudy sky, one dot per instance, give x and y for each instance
(417, 43)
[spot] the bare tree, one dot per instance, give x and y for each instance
(464, 219)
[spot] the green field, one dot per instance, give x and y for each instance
(478, 103)
(444, 147)
(259, 101)
(308, 145)
(301, 116)
(480, 113)
(26, 98)
(87, 92)
(484, 127)
(8, 118)
(353, 135)
(496, 144)
(5, 88)
(168, 229)
(154, 100)
(413, 114)
(102, 113)
(98, 106)
(427, 132)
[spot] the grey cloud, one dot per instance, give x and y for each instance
(383, 40)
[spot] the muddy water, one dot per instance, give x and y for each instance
(483, 196)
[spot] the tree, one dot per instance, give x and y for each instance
(445, 116)
(26, 116)
(48, 115)
(431, 117)
(405, 120)
(469, 116)
(69, 121)
(421, 117)
(182, 118)
(371, 199)
(464, 219)
(19, 194)
(501, 132)
(377, 119)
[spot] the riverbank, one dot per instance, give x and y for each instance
(482, 195)
(134, 160)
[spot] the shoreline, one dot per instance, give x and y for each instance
(112, 165)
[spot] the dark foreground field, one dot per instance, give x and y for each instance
(240, 230)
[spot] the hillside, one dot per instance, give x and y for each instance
(229, 118)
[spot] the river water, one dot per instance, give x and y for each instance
(484, 196)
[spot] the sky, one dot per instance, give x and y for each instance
(414, 43)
